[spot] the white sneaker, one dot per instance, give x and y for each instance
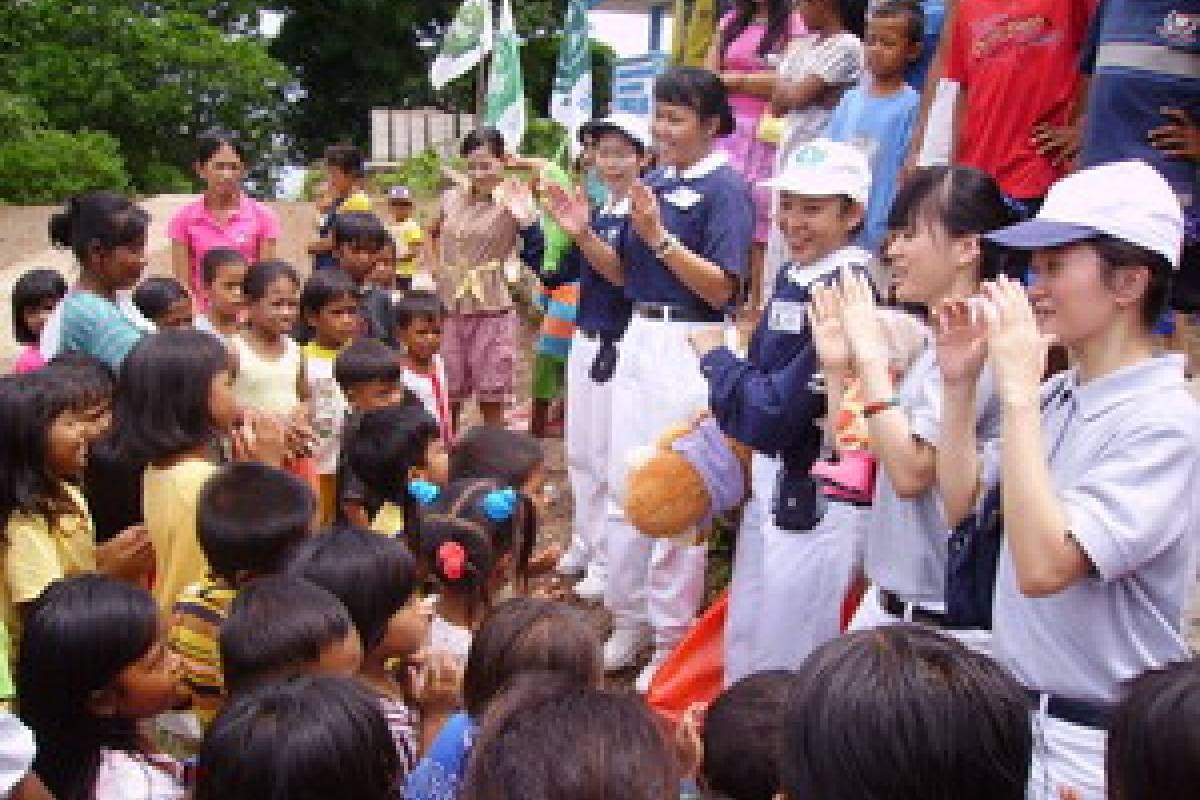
(593, 585)
(573, 562)
(623, 646)
(644, 678)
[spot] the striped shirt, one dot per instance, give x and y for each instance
(195, 628)
(402, 722)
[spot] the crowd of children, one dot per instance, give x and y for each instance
(248, 549)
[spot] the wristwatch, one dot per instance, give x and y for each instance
(664, 247)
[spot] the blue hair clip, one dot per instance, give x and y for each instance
(423, 492)
(499, 504)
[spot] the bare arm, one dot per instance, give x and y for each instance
(909, 461)
(570, 210)
(181, 266)
(937, 69)
(267, 250)
(794, 95)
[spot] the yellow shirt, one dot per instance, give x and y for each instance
(389, 519)
(169, 498)
(38, 550)
(355, 201)
(407, 234)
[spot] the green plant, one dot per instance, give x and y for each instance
(47, 166)
(159, 178)
(421, 173)
(19, 115)
(544, 138)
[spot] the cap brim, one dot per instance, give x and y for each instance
(604, 126)
(1034, 234)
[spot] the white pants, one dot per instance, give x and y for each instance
(786, 596)
(935, 147)
(588, 428)
(871, 614)
(1065, 756)
(654, 582)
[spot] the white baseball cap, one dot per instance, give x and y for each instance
(1127, 200)
(824, 168)
(633, 126)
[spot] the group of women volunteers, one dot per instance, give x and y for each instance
(935, 357)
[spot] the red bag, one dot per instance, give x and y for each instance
(695, 670)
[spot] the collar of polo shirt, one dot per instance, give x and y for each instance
(1138, 380)
(617, 209)
(710, 163)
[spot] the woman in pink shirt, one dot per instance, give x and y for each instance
(224, 216)
(745, 52)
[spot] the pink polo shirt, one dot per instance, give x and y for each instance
(251, 224)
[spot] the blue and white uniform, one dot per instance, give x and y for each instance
(659, 583)
(796, 553)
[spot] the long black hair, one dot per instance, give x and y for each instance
(161, 406)
(779, 13)
(33, 290)
(961, 201)
(78, 636)
(28, 405)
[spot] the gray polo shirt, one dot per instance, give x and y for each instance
(906, 546)
(1124, 455)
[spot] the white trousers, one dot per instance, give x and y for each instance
(652, 582)
(1065, 756)
(871, 614)
(588, 429)
(785, 599)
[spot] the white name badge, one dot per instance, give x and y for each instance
(787, 316)
(683, 197)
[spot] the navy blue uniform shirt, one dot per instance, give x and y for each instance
(769, 400)
(708, 207)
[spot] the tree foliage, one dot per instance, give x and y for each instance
(151, 76)
(45, 165)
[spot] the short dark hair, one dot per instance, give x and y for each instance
(34, 289)
(697, 89)
(741, 736)
(961, 201)
(261, 274)
(373, 575)
(416, 304)
(361, 228)
(215, 259)
(209, 142)
(323, 287)
(853, 14)
(529, 634)
(278, 624)
(1117, 254)
(483, 138)
(89, 379)
(108, 219)
(161, 406)
(903, 712)
(365, 360)
(250, 516)
(305, 738)
(1153, 748)
(487, 451)
(155, 295)
(555, 740)
(910, 10)
(387, 443)
(348, 158)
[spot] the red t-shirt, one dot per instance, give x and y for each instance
(1016, 62)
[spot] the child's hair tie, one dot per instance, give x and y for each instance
(499, 504)
(452, 558)
(423, 491)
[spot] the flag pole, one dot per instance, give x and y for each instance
(481, 80)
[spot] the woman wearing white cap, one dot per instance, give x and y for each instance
(1097, 468)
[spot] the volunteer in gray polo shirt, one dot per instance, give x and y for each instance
(1097, 468)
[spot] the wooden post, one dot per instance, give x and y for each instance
(481, 80)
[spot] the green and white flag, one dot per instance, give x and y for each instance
(505, 106)
(467, 41)
(571, 98)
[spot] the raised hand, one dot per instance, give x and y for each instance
(1016, 348)
(960, 338)
(860, 319)
(569, 208)
(825, 323)
(644, 214)
(1180, 138)
(706, 339)
(517, 198)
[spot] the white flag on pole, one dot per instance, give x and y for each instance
(505, 106)
(571, 98)
(467, 41)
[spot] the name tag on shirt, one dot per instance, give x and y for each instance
(787, 316)
(683, 197)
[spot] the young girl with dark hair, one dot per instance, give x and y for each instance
(543, 638)
(681, 256)
(174, 400)
(937, 253)
(223, 216)
(35, 295)
(305, 738)
(107, 233)
(165, 302)
(1095, 469)
(94, 664)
